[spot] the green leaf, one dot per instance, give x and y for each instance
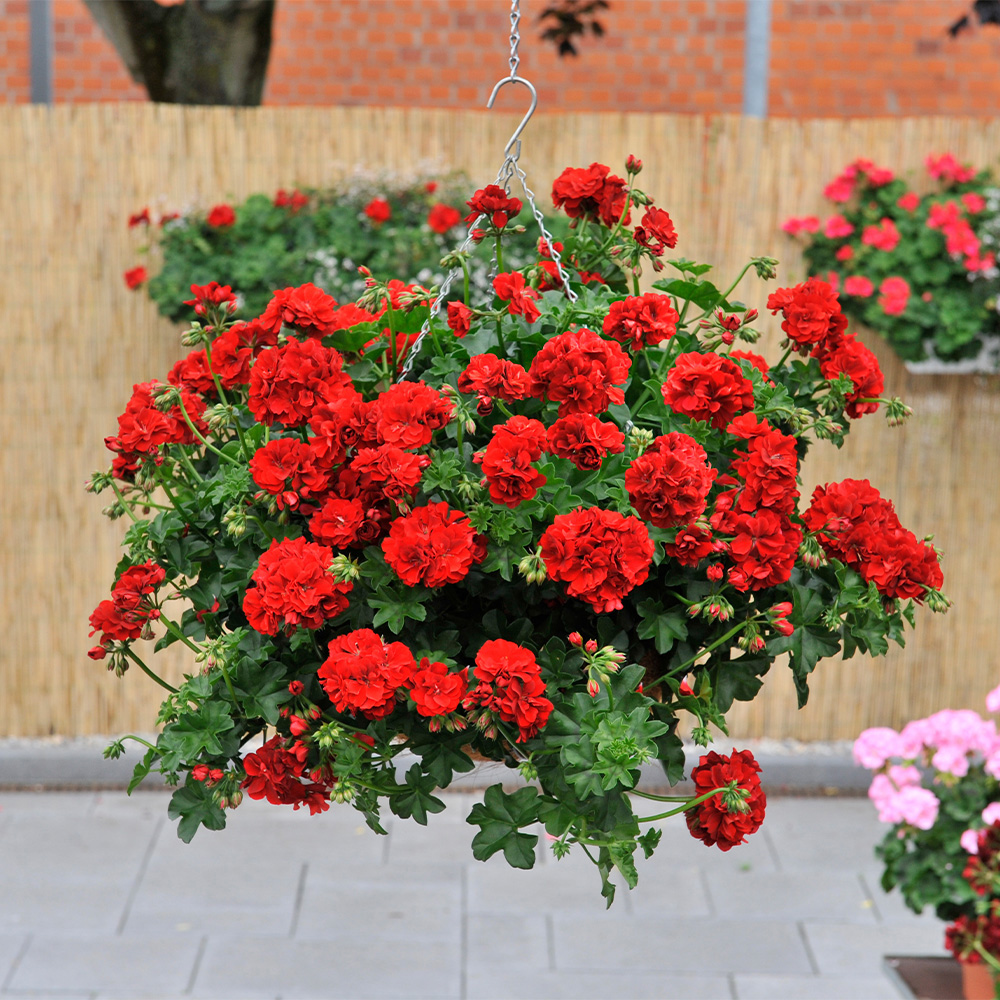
(206, 731)
(395, 609)
(622, 857)
(663, 627)
(416, 801)
(142, 769)
(500, 817)
(261, 690)
(700, 293)
(193, 805)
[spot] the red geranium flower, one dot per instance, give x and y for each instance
(337, 522)
(459, 318)
(293, 200)
(293, 588)
(362, 673)
(290, 470)
(690, 545)
(221, 216)
(590, 193)
(234, 349)
(493, 202)
(378, 210)
(491, 377)
(852, 358)
(276, 773)
(707, 387)
(583, 439)
(193, 373)
(431, 546)
(812, 318)
(436, 691)
(408, 414)
(641, 321)
(212, 294)
(443, 217)
(713, 821)
(387, 471)
(669, 482)
(509, 685)
(599, 554)
(507, 461)
(287, 383)
(136, 276)
(139, 218)
(655, 231)
(580, 371)
(511, 288)
(307, 308)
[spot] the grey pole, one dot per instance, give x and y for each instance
(40, 23)
(756, 57)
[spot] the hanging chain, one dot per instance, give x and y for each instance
(508, 169)
(515, 37)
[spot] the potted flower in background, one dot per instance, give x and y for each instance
(536, 527)
(936, 783)
(918, 269)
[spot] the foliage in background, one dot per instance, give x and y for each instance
(920, 270)
(396, 227)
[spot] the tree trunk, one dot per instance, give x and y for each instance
(196, 52)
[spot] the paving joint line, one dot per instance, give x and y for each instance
(196, 967)
(870, 896)
(140, 875)
(15, 965)
(463, 966)
(808, 948)
(300, 891)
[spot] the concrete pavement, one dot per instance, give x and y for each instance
(101, 900)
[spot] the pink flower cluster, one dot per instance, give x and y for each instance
(939, 748)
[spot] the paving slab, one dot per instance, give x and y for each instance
(840, 897)
(95, 962)
(265, 967)
(499, 942)
(90, 866)
(570, 985)
(852, 949)
(11, 946)
(753, 987)
(355, 906)
(695, 947)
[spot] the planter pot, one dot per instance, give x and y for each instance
(987, 362)
(977, 981)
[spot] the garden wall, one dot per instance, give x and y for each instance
(74, 340)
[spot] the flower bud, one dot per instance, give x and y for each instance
(344, 569)
(783, 627)
(937, 601)
(593, 687)
(714, 572)
(575, 639)
(633, 165)
(640, 438)
(590, 645)
(766, 267)
(897, 412)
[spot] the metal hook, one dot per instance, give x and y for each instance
(524, 121)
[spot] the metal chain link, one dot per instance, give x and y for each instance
(505, 175)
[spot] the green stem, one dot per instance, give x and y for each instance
(500, 269)
(137, 739)
(465, 287)
(656, 798)
(635, 284)
(197, 434)
(725, 294)
(687, 664)
(689, 804)
(175, 629)
(123, 502)
(392, 337)
(781, 362)
(500, 341)
(156, 677)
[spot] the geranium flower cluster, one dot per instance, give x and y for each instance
(937, 783)
(393, 526)
(919, 269)
(974, 937)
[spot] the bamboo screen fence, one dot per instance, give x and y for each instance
(75, 340)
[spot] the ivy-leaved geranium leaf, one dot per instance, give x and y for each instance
(193, 805)
(441, 760)
(262, 690)
(141, 770)
(806, 646)
(649, 841)
(622, 857)
(686, 266)
(416, 801)
(663, 626)
(700, 293)
(395, 607)
(604, 867)
(500, 817)
(208, 731)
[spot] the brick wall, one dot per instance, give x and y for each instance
(828, 57)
